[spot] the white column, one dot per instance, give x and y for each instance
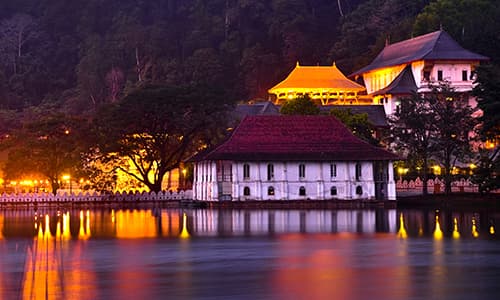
(348, 186)
(235, 184)
(391, 186)
(285, 188)
(258, 183)
(321, 183)
(215, 187)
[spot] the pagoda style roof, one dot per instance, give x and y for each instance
(317, 77)
(403, 84)
(437, 45)
(295, 138)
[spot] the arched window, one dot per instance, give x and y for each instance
(333, 191)
(246, 171)
(270, 191)
(358, 171)
(359, 190)
(246, 191)
(302, 171)
(302, 191)
(270, 172)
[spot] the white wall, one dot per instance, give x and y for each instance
(286, 182)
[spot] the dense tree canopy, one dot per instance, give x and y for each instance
(157, 127)
(75, 57)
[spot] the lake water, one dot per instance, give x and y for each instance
(248, 254)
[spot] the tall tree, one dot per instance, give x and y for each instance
(48, 147)
(156, 128)
(302, 105)
(487, 91)
(357, 123)
(412, 131)
(455, 125)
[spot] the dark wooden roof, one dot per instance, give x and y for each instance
(295, 138)
(403, 84)
(437, 45)
(376, 113)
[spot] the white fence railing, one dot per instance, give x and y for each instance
(93, 197)
(436, 185)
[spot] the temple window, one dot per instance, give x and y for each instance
(302, 171)
(302, 191)
(358, 171)
(333, 170)
(246, 191)
(440, 75)
(246, 171)
(333, 191)
(270, 172)
(270, 191)
(359, 190)
(464, 75)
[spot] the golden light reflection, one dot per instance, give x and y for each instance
(492, 230)
(84, 225)
(184, 233)
(47, 234)
(135, 224)
(456, 234)
(53, 271)
(402, 230)
(438, 233)
(475, 233)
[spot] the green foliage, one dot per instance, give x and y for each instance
(487, 92)
(486, 175)
(437, 125)
(46, 147)
(157, 127)
(473, 23)
(302, 105)
(357, 123)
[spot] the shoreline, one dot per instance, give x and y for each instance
(454, 201)
(435, 201)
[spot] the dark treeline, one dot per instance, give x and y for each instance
(78, 54)
(64, 64)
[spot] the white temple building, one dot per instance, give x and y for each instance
(293, 158)
(410, 66)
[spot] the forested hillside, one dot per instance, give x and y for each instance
(75, 55)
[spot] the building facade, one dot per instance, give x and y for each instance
(293, 158)
(414, 65)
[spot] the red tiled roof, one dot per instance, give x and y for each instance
(295, 138)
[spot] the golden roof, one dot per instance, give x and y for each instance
(318, 78)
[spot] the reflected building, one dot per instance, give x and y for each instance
(269, 222)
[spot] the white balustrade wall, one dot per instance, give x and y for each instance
(93, 197)
(436, 185)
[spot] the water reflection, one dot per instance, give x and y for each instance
(175, 223)
(302, 254)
